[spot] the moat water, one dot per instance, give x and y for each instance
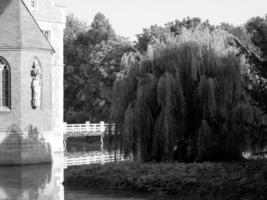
(44, 182)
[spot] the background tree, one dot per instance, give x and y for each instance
(101, 29)
(73, 72)
(157, 33)
(92, 58)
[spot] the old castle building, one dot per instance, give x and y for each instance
(31, 79)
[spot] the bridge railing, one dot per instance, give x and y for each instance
(88, 129)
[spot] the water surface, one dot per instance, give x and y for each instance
(44, 182)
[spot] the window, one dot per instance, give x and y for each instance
(47, 34)
(5, 91)
(33, 4)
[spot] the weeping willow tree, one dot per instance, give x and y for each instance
(184, 100)
(138, 131)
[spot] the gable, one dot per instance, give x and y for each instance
(46, 11)
(31, 34)
(19, 29)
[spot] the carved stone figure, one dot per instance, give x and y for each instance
(35, 86)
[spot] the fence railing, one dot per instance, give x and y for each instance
(93, 157)
(88, 129)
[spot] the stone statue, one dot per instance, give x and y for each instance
(35, 86)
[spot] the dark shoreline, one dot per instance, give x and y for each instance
(238, 180)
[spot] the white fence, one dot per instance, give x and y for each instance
(88, 129)
(92, 158)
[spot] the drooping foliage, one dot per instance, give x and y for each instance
(249, 121)
(138, 130)
(125, 86)
(184, 97)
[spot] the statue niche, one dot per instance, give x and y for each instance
(35, 85)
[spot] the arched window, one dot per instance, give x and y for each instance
(5, 90)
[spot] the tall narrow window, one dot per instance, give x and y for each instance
(33, 4)
(5, 101)
(47, 34)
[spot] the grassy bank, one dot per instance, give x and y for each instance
(243, 180)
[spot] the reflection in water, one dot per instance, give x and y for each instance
(83, 195)
(85, 158)
(35, 182)
(71, 194)
(44, 182)
(84, 151)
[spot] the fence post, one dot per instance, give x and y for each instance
(102, 131)
(102, 126)
(87, 125)
(94, 127)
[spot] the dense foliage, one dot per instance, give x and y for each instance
(180, 94)
(184, 100)
(251, 36)
(161, 33)
(257, 27)
(92, 57)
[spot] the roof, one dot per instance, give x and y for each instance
(18, 29)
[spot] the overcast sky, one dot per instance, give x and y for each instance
(129, 17)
